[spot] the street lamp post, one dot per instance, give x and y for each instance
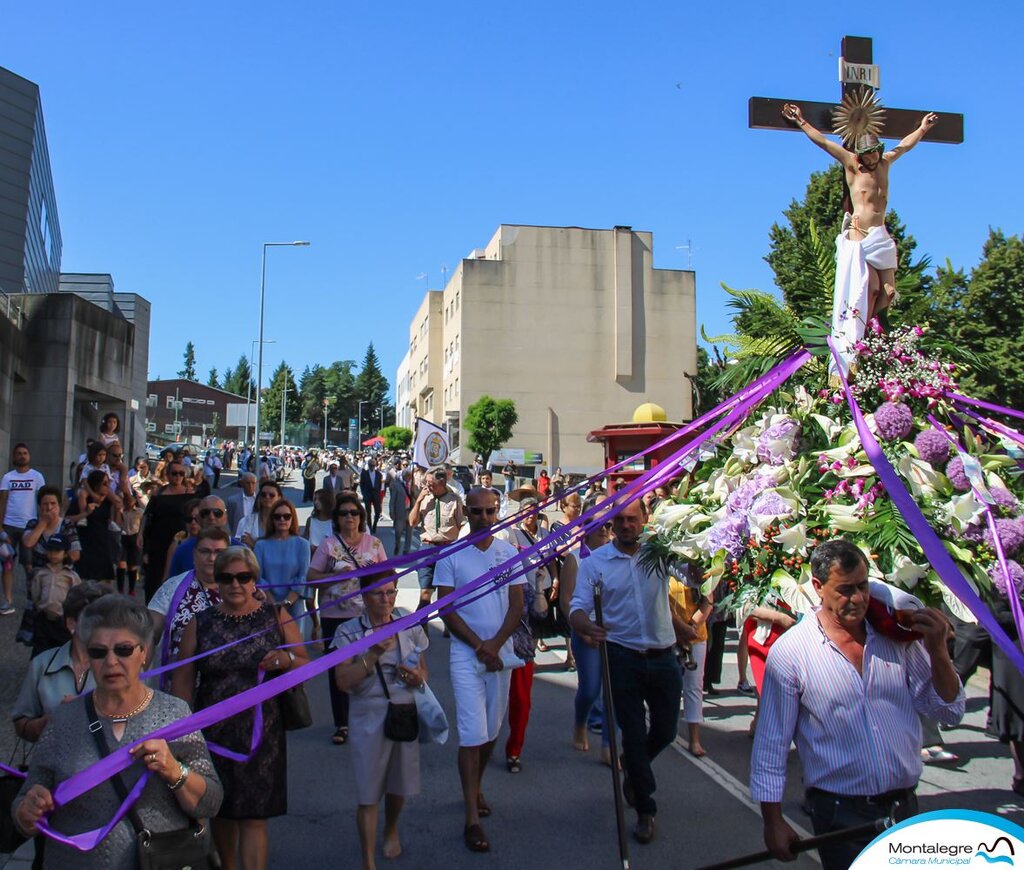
(284, 403)
(327, 404)
(248, 387)
(259, 374)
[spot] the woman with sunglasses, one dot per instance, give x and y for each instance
(283, 555)
(588, 710)
(349, 547)
(257, 789)
(96, 505)
(255, 525)
(186, 536)
(183, 785)
(382, 768)
(164, 517)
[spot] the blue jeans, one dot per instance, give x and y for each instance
(642, 684)
(589, 709)
(830, 812)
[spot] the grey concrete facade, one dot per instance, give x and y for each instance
(71, 348)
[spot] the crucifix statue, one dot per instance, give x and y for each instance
(866, 255)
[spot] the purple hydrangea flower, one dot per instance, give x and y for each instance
(729, 534)
(770, 504)
(999, 579)
(743, 496)
(779, 442)
(1011, 536)
(932, 446)
(1004, 498)
(974, 532)
(894, 420)
(955, 473)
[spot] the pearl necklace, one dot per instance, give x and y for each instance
(124, 717)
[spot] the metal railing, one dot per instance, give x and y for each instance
(12, 308)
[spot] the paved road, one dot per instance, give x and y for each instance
(559, 810)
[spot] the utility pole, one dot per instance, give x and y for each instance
(284, 403)
(177, 407)
(327, 404)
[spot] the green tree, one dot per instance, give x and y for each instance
(706, 392)
(792, 254)
(991, 323)
(340, 382)
(213, 379)
(189, 371)
(270, 414)
(371, 386)
(396, 437)
(240, 383)
(489, 422)
(311, 394)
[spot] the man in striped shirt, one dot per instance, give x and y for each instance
(850, 697)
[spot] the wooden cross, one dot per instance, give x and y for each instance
(765, 113)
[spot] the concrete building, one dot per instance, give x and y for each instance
(203, 411)
(71, 348)
(575, 325)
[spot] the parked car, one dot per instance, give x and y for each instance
(464, 475)
(153, 450)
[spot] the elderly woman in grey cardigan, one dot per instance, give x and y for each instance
(117, 633)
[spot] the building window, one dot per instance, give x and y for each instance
(150, 426)
(170, 403)
(151, 400)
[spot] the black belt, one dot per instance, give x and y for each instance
(885, 799)
(646, 653)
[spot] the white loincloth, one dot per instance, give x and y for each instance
(850, 300)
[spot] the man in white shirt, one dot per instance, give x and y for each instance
(850, 697)
(642, 664)
(18, 490)
(481, 653)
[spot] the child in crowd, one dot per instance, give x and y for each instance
(50, 586)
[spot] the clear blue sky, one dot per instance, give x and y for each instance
(397, 137)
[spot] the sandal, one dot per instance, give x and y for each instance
(475, 839)
(483, 809)
(340, 736)
(513, 764)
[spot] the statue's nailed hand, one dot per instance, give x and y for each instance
(792, 113)
(929, 120)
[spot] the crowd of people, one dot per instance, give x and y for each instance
(149, 567)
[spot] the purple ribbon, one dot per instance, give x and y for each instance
(1014, 594)
(172, 611)
(83, 781)
(254, 741)
(930, 543)
(12, 771)
(90, 839)
(988, 406)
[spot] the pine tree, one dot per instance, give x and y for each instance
(213, 379)
(241, 382)
(371, 386)
(271, 407)
(189, 371)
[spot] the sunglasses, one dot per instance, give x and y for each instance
(175, 473)
(476, 512)
(211, 512)
(193, 519)
(121, 650)
(208, 553)
(285, 517)
(346, 513)
(242, 577)
(268, 493)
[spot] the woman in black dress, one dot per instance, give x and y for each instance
(96, 504)
(256, 789)
(1006, 712)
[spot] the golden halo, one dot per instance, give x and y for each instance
(858, 113)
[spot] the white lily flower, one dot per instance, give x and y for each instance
(794, 539)
(961, 510)
(668, 515)
(906, 573)
(844, 517)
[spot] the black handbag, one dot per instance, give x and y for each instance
(295, 711)
(402, 721)
(184, 849)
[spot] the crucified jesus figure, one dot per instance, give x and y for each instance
(867, 177)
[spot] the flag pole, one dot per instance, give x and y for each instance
(613, 740)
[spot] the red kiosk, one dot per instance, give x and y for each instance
(623, 440)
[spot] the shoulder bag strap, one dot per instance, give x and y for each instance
(383, 682)
(96, 729)
(347, 549)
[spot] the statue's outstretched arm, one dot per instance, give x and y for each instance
(908, 142)
(792, 113)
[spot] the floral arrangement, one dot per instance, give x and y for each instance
(796, 473)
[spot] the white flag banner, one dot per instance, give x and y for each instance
(430, 446)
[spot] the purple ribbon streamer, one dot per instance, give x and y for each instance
(13, 771)
(172, 611)
(254, 741)
(930, 543)
(988, 406)
(1014, 594)
(83, 781)
(90, 839)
